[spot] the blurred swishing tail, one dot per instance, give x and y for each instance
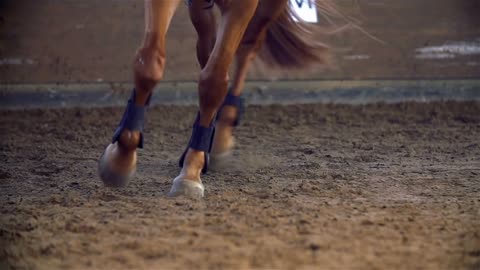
(291, 43)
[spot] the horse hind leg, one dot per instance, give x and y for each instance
(267, 12)
(203, 19)
(117, 164)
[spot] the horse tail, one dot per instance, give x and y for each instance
(291, 43)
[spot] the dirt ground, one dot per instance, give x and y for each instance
(310, 187)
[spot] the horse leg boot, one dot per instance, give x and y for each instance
(232, 109)
(118, 162)
(212, 90)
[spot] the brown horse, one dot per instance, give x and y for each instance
(247, 27)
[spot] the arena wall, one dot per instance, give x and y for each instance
(52, 41)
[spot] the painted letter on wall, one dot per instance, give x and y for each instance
(305, 9)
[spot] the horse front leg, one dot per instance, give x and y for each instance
(118, 162)
(212, 89)
(229, 115)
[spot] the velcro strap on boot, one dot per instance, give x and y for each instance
(133, 119)
(201, 139)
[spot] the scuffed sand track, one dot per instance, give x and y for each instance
(312, 186)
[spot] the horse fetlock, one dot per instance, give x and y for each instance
(193, 164)
(227, 115)
(129, 140)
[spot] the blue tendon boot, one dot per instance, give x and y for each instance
(133, 120)
(235, 101)
(201, 140)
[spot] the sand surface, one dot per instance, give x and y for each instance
(309, 187)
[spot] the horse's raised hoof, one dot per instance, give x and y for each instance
(188, 188)
(109, 177)
(222, 153)
(219, 160)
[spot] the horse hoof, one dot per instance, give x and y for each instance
(108, 176)
(218, 160)
(221, 160)
(187, 188)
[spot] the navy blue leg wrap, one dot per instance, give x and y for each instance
(201, 140)
(133, 119)
(236, 101)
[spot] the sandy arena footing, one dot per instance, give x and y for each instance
(378, 186)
